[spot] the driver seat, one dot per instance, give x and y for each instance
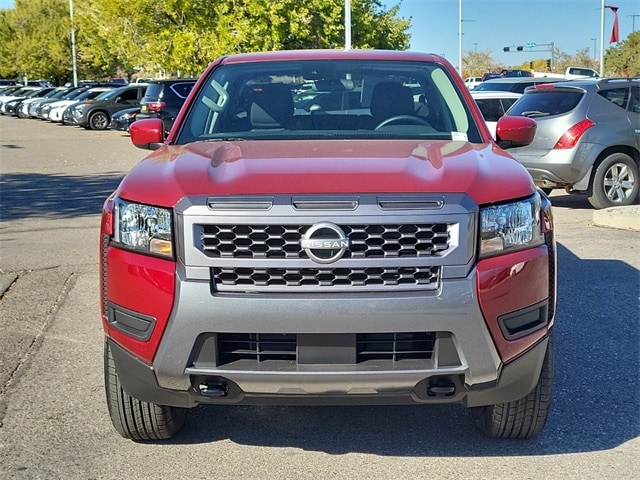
(390, 99)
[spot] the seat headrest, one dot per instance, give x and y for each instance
(271, 106)
(390, 99)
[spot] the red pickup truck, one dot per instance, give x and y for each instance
(363, 240)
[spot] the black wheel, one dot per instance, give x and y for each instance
(403, 119)
(523, 418)
(98, 121)
(135, 419)
(615, 182)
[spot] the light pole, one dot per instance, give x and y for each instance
(460, 36)
(347, 24)
(595, 51)
(73, 45)
(633, 21)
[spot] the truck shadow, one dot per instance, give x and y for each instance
(596, 392)
(26, 195)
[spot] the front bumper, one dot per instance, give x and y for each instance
(464, 358)
(513, 381)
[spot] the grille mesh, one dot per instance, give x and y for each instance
(425, 277)
(261, 348)
(283, 241)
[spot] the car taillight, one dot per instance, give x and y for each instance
(571, 136)
(156, 106)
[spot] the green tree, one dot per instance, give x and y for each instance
(36, 40)
(183, 36)
(624, 59)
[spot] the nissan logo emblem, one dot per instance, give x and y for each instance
(324, 242)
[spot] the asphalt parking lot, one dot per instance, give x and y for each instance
(53, 418)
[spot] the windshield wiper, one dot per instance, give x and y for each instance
(534, 113)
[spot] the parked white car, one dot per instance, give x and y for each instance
(493, 105)
(472, 82)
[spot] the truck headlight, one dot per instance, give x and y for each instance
(143, 228)
(510, 227)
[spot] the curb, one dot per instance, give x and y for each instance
(622, 218)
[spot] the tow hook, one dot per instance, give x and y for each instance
(214, 390)
(441, 389)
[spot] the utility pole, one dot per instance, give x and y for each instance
(633, 22)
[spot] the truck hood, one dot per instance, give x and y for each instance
(483, 171)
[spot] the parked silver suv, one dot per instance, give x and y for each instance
(588, 138)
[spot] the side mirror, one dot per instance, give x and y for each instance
(515, 131)
(147, 134)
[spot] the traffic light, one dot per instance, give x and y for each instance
(549, 64)
(506, 49)
(519, 48)
(530, 65)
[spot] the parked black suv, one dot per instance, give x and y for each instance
(96, 114)
(164, 98)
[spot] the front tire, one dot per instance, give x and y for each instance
(523, 418)
(615, 182)
(98, 121)
(133, 418)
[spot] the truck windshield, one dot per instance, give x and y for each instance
(322, 99)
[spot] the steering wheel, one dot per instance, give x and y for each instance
(397, 118)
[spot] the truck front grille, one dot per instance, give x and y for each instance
(283, 241)
(326, 243)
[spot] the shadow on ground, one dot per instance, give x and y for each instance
(26, 195)
(596, 390)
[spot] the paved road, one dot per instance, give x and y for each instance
(53, 418)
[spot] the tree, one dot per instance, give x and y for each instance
(475, 64)
(624, 59)
(119, 37)
(35, 40)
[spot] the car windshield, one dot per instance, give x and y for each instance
(546, 102)
(91, 94)
(73, 94)
(340, 99)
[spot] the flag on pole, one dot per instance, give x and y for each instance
(615, 37)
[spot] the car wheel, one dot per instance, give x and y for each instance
(615, 182)
(133, 418)
(523, 418)
(98, 121)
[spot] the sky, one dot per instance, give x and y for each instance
(491, 25)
